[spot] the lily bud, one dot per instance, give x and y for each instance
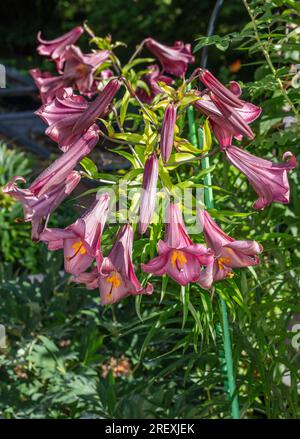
(149, 187)
(167, 132)
(214, 85)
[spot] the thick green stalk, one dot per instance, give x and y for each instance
(235, 410)
(227, 362)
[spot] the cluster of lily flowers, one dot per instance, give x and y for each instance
(72, 123)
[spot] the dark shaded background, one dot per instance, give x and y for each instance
(128, 21)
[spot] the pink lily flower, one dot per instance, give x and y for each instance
(69, 115)
(226, 121)
(38, 207)
(229, 97)
(56, 49)
(117, 278)
(61, 167)
(106, 74)
(78, 71)
(48, 85)
(174, 59)
(167, 132)
(89, 278)
(229, 253)
(80, 68)
(61, 114)
(56, 182)
(268, 179)
(148, 195)
(179, 257)
(151, 79)
(80, 240)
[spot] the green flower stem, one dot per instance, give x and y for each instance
(227, 362)
(122, 131)
(134, 95)
(192, 126)
(235, 410)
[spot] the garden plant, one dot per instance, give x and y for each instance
(191, 251)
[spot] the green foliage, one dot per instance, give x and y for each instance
(16, 247)
(167, 20)
(161, 357)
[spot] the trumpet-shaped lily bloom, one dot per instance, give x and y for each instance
(56, 182)
(268, 179)
(48, 85)
(78, 71)
(229, 97)
(61, 167)
(174, 59)
(151, 78)
(37, 207)
(61, 114)
(56, 49)
(229, 253)
(80, 68)
(179, 257)
(117, 278)
(148, 196)
(228, 121)
(80, 240)
(69, 116)
(167, 132)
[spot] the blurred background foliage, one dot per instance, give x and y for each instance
(159, 357)
(129, 21)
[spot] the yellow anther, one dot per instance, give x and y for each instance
(222, 261)
(178, 255)
(78, 248)
(114, 280)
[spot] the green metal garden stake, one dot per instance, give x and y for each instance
(227, 362)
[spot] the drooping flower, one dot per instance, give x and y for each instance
(148, 196)
(80, 240)
(167, 132)
(268, 179)
(174, 59)
(69, 115)
(228, 121)
(179, 257)
(98, 107)
(61, 114)
(229, 97)
(78, 72)
(38, 206)
(56, 49)
(151, 78)
(80, 68)
(61, 167)
(50, 188)
(89, 278)
(229, 253)
(48, 85)
(117, 278)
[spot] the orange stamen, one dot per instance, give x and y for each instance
(178, 258)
